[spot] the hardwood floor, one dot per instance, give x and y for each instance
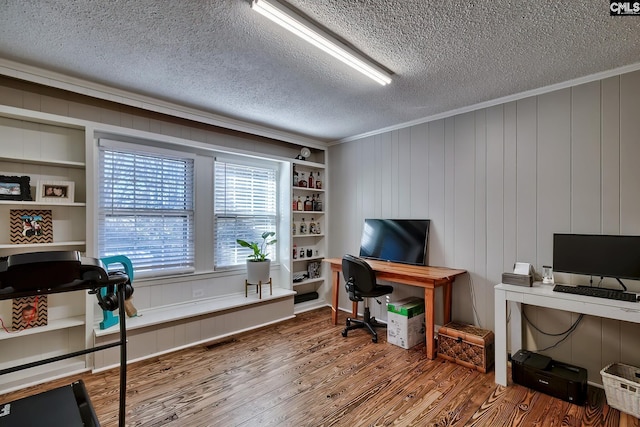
(302, 372)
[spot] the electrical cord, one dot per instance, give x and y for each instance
(566, 333)
(473, 302)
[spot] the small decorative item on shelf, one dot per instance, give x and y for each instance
(304, 153)
(29, 312)
(313, 269)
(30, 226)
(15, 188)
(55, 191)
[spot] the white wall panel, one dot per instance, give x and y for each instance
(449, 190)
(418, 169)
(629, 153)
(498, 182)
(464, 211)
(436, 192)
(407, 190)
(479, 282)
(509, 187)
(495, 205)
(585, 158)
(610, 166)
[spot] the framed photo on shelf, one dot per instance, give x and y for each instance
(15, 188)
(55, 191)
(30, 226)
(29, 312)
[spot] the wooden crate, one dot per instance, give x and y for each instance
(467, 345)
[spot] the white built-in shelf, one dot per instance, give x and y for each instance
(310, 190)
(307, 281)
(307, 164)
(39, 374)
(42, 245)
(174, 312)
(32, 203)
(309, 305)
(311, 258)
(298, 236)
(309, 212)
(52, 325)
(48, 162)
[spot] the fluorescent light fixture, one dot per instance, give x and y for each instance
(317, 37)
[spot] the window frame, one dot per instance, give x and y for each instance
(275, 167)
(105, 144)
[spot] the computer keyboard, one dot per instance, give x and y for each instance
(596, 292)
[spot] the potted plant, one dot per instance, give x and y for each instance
(258, 265)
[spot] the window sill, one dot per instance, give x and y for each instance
(173, 312)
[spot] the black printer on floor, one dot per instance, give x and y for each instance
(548, 376)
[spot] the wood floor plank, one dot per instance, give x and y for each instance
(302, 372)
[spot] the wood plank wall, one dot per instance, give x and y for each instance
(497, 183)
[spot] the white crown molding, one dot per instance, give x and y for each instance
(95, 90)
(498, 101)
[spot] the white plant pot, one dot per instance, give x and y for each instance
(258, 271)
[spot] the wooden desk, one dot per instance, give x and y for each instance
(428, 278)
(543, 296)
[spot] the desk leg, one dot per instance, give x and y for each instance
(446, 295)
(515, 325)
(334, 296)
(501, 336)
(429, 300)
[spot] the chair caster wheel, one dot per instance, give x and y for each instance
(374, 339)
(344, 333)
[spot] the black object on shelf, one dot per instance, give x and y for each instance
(309, 296)
(42, 273)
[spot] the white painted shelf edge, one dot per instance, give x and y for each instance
(62, 163)
(307, 281)
(301, 307)
(299, 236)
(31, 202)
(40, 245)
(52, 325)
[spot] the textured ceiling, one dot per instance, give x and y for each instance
(221, 57)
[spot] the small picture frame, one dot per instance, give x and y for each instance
(15, 188)
(29, 312)
(57, 192)
(30, 226)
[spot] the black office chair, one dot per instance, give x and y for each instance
(361, 284)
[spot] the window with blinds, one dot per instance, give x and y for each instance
(146, 210)
(245, 206)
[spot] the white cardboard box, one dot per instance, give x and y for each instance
(405, 322)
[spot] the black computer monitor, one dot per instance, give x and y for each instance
(597, 255)
(396, 240)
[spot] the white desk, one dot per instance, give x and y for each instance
(543, 296)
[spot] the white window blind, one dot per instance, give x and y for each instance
(146, 210)
(245, 206)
